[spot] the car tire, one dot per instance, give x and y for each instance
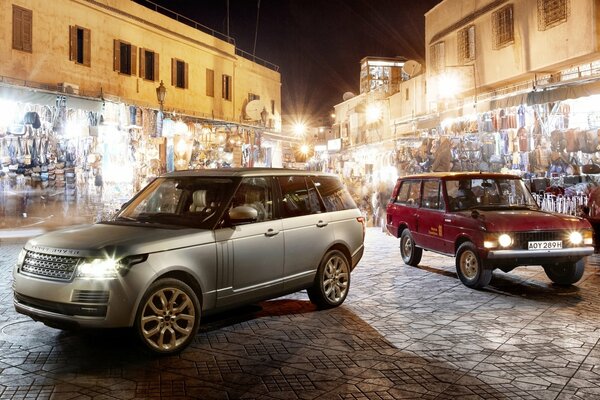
(565, 273)
(469, 267)
(168, 316)
(411, 254)
(332, 281)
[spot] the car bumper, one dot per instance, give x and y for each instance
(578, 252)
(357, 256)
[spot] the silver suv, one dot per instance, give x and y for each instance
(192, 243)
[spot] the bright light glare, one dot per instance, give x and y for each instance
(299, 129)
(373, 112)
(98, 269)
(576, 238)
(505, 240)
(304, 149)
(448, 85)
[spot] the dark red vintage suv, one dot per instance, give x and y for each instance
(486, 221)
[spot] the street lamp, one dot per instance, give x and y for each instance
(450, 83)
(161, 92)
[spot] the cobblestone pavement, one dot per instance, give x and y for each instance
(403, 332)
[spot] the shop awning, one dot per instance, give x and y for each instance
(48, 98)
(429, 122)
(565, 92)
(27, 95)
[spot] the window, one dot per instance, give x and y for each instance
(124, 57)
(406, 94)
(210, 82)
(432, 198)
(333, 194)
(438, 57)
(79, 45)
(551, 13)
(298, 198)
(466, 44)
(409, 193)
(503, 27)
(22, 28)
(149, 65)
(252, 96)
(256, 193)
(272, 107)
(226, 89)
(179, 73)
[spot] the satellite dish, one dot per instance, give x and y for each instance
(253, 110)
(347, 96)
(411, 68)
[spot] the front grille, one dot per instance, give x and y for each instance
(50, 266)
(90, 296)
(522, 238)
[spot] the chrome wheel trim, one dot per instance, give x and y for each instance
(469, 266)
(167, 319)
(335, 279)
(407, 246)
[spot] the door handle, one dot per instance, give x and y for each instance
(271, 232)
(447, 220)
(321, 224)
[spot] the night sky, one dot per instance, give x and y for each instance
(318, 44)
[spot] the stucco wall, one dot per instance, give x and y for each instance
(127, 21)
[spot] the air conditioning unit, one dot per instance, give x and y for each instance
(70, 88)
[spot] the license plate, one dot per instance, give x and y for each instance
(545, 245)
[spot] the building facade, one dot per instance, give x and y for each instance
(119, 93)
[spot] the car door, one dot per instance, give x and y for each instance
(404, 207)
(251, 254)
(431, 217)
(306, 227)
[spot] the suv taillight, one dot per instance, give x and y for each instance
(362, 222)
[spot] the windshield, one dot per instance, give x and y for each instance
(488, 193)
(195, 202)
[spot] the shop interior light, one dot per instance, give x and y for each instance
(448, 85)
(373, 113)
(299, 129)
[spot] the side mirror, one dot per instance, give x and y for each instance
(242, 214)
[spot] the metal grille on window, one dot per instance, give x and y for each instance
(437, 56)
(466, 44)
(552, 13)
(503, 27)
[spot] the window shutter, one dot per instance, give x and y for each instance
(117, 55)
(72, 42)
(156, 66)
(142, 63)
(186, 70)
(173, 72)
(17, 27)
(210, 82)
(87, 47)
(133, 60)
(27, 28)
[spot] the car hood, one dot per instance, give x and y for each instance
(91, 240)
(526, 220)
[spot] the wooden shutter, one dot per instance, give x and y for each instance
(27, 16)
(173, 72)
(17, 28)
(133, 60)
(72, 43)
(117, 55)
(142, 63)
(87, 47)
(186, 75)
(156, 66)
(210, 83)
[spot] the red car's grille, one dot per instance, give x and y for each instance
(522, 238)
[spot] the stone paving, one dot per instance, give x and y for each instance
(403, 333)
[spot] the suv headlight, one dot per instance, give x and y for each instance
(585, 237)
(21, 258)
(99, 269)
(107, 268)
(495, 240)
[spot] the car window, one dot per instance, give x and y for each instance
(296, 198)
(180, 201)
(432, 197)
(333, 194)
(409, 193)
(257, 193)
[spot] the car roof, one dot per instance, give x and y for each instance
(242, 172)
(459, 175)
